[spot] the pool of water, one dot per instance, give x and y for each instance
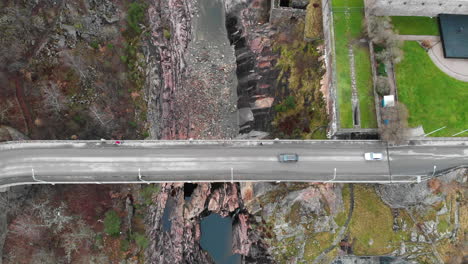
(210, 24)
(166, 221)
(216, 238)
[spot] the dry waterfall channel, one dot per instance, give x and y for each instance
(192, 92)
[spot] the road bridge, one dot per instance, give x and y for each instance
(80, 162)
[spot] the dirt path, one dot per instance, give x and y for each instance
(427, 237)
(418, 37)
(19, 93)
(343, 229)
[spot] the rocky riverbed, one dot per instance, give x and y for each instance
(191, 72)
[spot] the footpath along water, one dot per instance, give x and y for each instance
(216, 238)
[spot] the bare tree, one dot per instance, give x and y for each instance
(101, 116)
(52, 217)
(26, 226)
(4, 109)
(72, 241)
(45, 256)
(395, 131)
(380, 28)
(392, 51)
(54, 100)
(101, 258)
(381, 32)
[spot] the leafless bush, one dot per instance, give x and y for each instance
(382, 85)
(26, 227)
(4, 109)
(381, 32)
(72, 241)
(54, 100)
(380, 28)
(44, 256)
(102, 116)
(54, 218)
(392, 52)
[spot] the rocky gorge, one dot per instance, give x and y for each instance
(209, 72)
(192, 88)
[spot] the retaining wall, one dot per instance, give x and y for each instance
(417, 7)
(328, 38)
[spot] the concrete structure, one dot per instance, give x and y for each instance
(330, 73)
(280, 11)
(79, 162)
(388, 101)
(456, 68)
(416, 7)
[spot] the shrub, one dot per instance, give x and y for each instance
(382, 85)
(141, 240)
(381, 33)
(135, 16)
(112, 223)
(288, 104)
(167, 34)
(132, 124)
(124, 245)
(381, 69)
(94, 45)
(148, 191)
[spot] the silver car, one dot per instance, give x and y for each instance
(288, 157)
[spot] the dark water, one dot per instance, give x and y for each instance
(216, 238)
(166, 215)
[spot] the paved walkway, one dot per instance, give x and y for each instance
(418, 37)
(456, 68)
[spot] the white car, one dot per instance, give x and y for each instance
(373, 156)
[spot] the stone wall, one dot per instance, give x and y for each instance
(417, 7)
(278, 13)
(328, 38)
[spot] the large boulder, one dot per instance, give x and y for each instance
(245, 115)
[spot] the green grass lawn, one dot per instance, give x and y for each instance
(371, 224)
(433, 98)
(365, 87)
(343, 73)
(347, 3)
(347, 28)
(411, 25)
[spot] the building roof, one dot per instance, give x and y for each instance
(454, 34)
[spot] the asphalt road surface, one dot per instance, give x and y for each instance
(167, 161)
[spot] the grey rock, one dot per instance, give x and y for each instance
(70, 30)
(325, 224)
(245, 115)
(252, 134)
(404, 195)
(443, 211)
(414, 237)
(421, 238)
(13, 133)
(262, 188)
